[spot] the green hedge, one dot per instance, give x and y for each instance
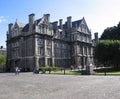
(48, 68)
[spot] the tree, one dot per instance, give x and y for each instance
(2, 61)
(111, 33)
(107, 52)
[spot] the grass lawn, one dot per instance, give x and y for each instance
(100, 71)
(67, 72)
(108, 71)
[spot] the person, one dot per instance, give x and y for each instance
(71, 67)
(17, 70)
(36, 70)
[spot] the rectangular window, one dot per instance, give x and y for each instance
(48, 42)
(49, 61)
(40, 42)
(48, 51)
(41, 51)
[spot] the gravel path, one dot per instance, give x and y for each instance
(45, 86)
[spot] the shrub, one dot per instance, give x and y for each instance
(48, 68)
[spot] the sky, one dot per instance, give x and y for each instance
(99, 14)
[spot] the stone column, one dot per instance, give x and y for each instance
(36, 52)
(76, 61)
(84, 62)
(91, 51)
(52, 53)
(89, 66)
(36, 61)
(75, 53)
(83, 51)
(87, 50)
(45, 51)
(75, 48)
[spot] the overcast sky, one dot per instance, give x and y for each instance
(99, 14)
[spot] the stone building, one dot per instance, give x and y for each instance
(3, 51)
(44, 43)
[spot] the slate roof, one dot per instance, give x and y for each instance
(26, 27)
(65, 25)
(20, 24)
(37, 21)
(74, 24)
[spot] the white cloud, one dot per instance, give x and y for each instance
(2, 19)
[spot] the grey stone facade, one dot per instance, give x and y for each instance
(3, 51)
(44, 43)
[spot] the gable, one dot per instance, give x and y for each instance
(16, 25)
(43, 20)
(83, 26)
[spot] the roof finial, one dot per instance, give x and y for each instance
(16, 20)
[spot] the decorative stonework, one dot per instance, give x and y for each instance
(44, 43)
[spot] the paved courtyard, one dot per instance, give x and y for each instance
(45, 86)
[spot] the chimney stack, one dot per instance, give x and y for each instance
(69, 22)
(47, 17)
(31, 21)
(55, 25)
(10, 26)
(96, 38)
(60, 23)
